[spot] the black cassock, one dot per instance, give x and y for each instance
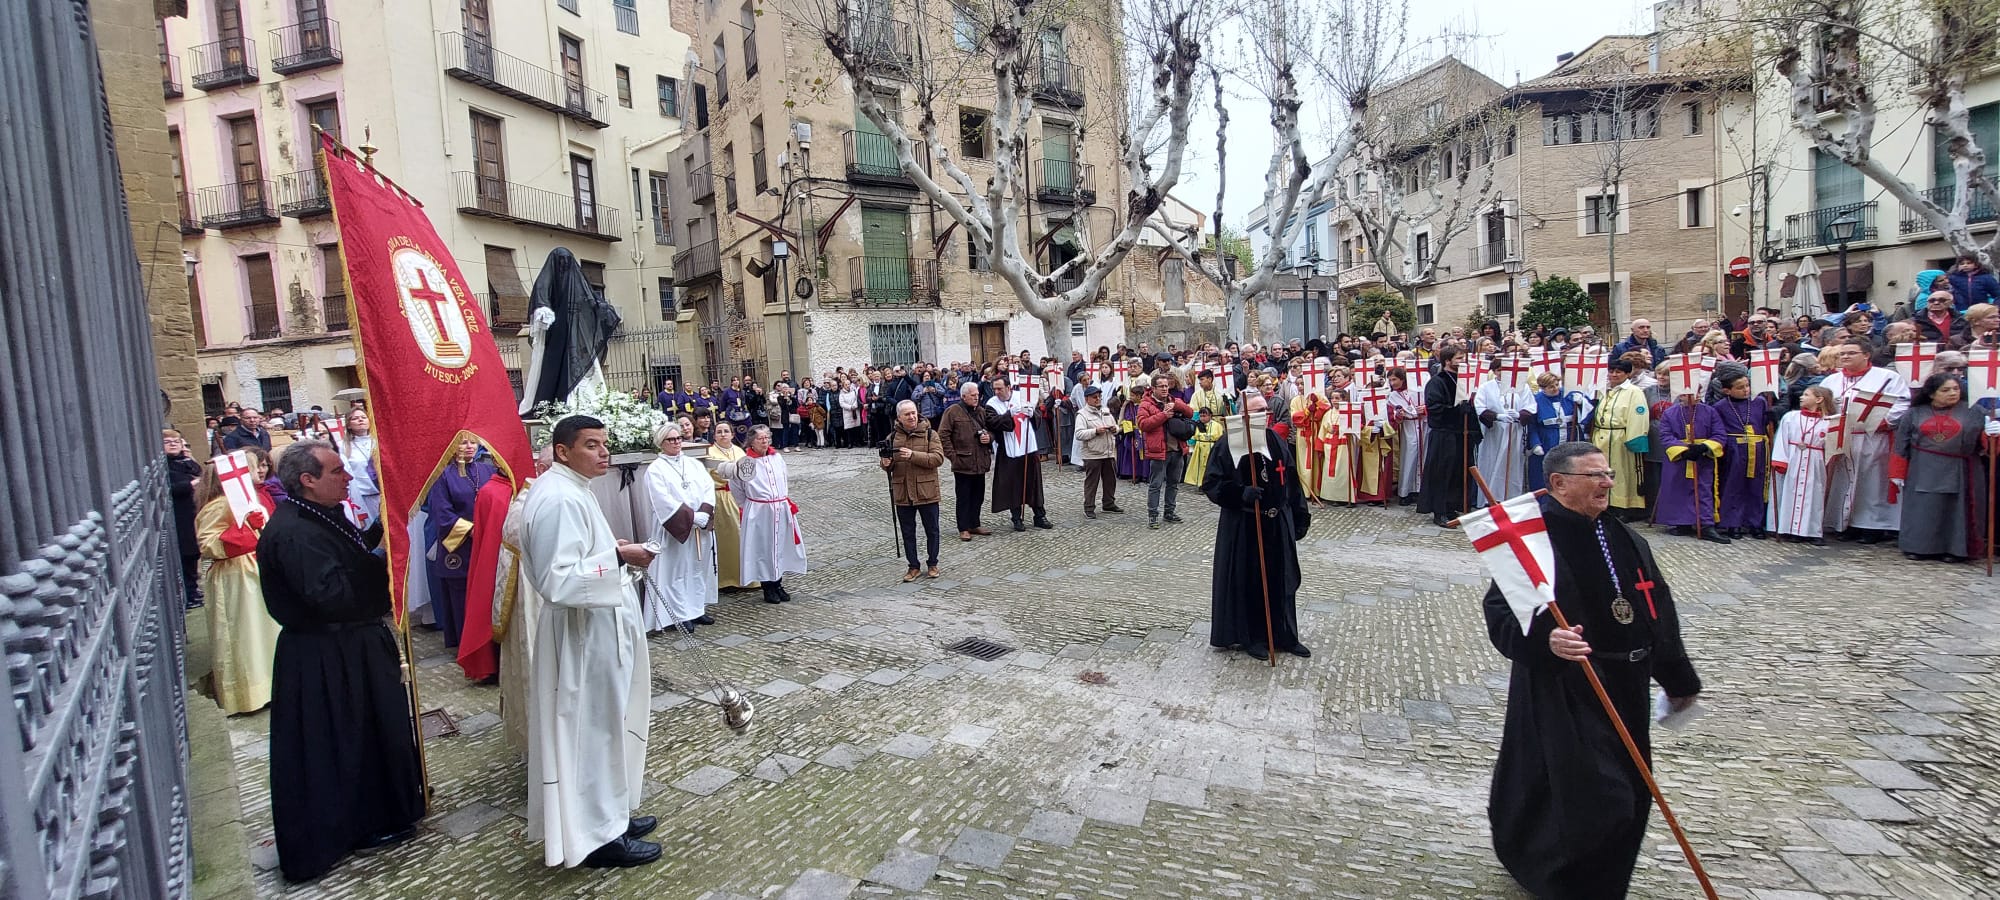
(343, 761)
(1017, 480)
(1453, 438)
(1236, 589)
(1568, 809)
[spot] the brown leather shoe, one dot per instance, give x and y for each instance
(982, 531)
(965, 535)
(933, 573)
(909, 576)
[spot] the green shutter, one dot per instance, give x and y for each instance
(885, 250)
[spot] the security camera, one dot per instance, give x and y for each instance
(1739, 211)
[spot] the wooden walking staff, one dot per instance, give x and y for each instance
(1257, 519)
(1625, 735)
(1992, 456)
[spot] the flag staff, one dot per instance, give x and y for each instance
(1631, 746)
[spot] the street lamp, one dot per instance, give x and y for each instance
(1307, 267)
(1840, 231)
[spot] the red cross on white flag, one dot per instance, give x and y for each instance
(239, 485)
(1315, 374)
(1121, 372)
(1545, 360)
(1764, 366)
(1375, 403)
(1513, 544)
(1471, 371)
(1420, 375)
(1688, 373)
(1982, 372)
(1348, 418)
(1025, 388)
(336, 431)
(1513, 372)
(1865, 413)
(1914, 361)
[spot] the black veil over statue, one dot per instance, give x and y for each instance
(580, 323)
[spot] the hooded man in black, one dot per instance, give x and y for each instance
(1568, 808)
(1454, 437)
(1259, 493)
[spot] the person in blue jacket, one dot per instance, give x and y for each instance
(1558, 418)
(1971, 284)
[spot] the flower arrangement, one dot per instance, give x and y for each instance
(628, 420)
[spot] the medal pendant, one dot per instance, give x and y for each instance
(1621, 609)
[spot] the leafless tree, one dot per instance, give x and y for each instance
(1162, 44)
(1844, 58)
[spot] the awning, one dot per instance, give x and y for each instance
(1860, 277)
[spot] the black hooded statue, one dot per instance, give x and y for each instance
(584, 322)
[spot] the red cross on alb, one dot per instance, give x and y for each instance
(1914, 361)
(1866, 412)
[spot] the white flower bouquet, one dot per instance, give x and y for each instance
(628, 420)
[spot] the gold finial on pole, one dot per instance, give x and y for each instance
(367, 147)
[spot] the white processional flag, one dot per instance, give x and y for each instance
(1246, 435)
(239, 486)
(1513, 544)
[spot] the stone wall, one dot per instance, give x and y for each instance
(128, 52)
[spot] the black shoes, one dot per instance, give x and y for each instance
(1870, 536)
(1680, 531)
(1715, 537)
(704, 619)
(1171, 519)
(1440, 521)
(1301, 651)
(1257, 652)
(771, 593)
(384, 841)
(622, 853)
(1112, 509)
(784, 596)
(1090, 514)
(1043, 522)
(1019, 525)
(642, 826)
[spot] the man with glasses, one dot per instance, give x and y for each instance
(1568, 808)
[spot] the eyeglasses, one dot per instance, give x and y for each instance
(1600, 475)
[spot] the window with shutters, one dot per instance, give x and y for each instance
(668, 302)
(660, 207)
(325, 115)
(593, 275)
(333, 288)
(489, 164)
(263, 287)
(246, 163)
(583, 180)
(624, 76)
(503, 281)
(670, 97)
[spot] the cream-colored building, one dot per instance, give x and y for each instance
(1605, 170)
(522, 125)
(803, 247)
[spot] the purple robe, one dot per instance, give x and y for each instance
(1684, 501)
(451, 498)
(1132, 462)
(1746, 463)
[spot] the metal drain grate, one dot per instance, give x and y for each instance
(980, 648)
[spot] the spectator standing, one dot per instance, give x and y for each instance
(968, 446)
(1163, 440)
(183, 477)
(250, 432)
(1971, 284)
(1641, 338)
(915, 453)
(1941, 322)
(1097, 432)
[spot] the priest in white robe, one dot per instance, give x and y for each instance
(589, 703)
(683, 573)
(773, 545)
(1859, 503)
(1504, 413)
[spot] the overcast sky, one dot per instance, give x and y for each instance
(1517, 40)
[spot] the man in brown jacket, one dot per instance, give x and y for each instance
(969, 447)
(914, 455)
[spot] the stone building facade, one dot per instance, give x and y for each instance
(521, 125)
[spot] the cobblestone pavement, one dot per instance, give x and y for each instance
(1850, 749)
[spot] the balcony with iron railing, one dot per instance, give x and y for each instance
(307, 45)
(1063, 181)
(1979, 211)
(1809, 229)
(1059, 81)
(225, 63)
(696, 263)
(474, 61)
(1490, 255)
(265, 324)
(892, 281)
(170, 75)
(240, 205)
(523, 205)
(701, 183)
(302, 194)
(1070, 277)
(872, 159)
(190, 223)
(881, 45)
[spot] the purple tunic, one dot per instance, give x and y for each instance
(1132, 462)
(1745, 463)
(450, 499)
(1683, 500)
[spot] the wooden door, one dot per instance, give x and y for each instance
(1735, 296)
(989, 341)
(1600, 310)
(583, 180)
(489, 167)
(249, 169)
(572, 64)
(229, 30)
(478, 25)
(264, 322)
(312, 25)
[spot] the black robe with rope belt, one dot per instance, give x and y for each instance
(1568, 809)
(1236, 589)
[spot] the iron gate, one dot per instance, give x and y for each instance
(732, 344)
(641, 360)
(93, 782)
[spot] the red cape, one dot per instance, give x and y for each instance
(477, 654)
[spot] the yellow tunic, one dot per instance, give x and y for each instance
(1622, 418)
(1215, 406)
(1336, 460)
(241, 630)
(728, 522)
(1373, 455)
